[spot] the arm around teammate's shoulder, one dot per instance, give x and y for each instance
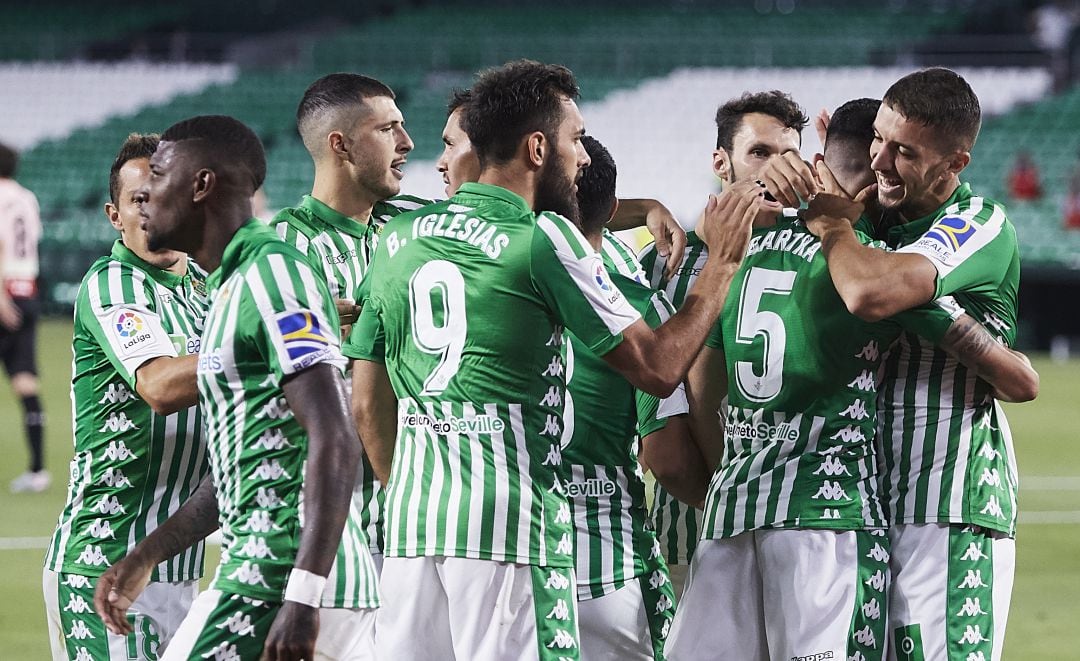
(874, 284)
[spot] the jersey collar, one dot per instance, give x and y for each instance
(236, 251)
(122, 253)
(335, 218)
(905, 233)
(488, 190)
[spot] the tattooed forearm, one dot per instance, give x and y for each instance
(196, 518)
(967, 340)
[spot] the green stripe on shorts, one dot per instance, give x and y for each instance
(866, 639)
(969, 599)
(236, 628)
(555, 603)
(659, 597)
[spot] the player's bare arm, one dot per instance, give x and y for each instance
(665, 229)
(657, 361)
(374, 409)
(706, 387)
(676, 462)
(874, 284)
(168, 384)
(122, 583)
(317, 398)
(1008, 371)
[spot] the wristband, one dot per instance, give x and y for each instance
(305, 588)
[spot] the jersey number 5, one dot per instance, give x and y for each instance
(752, 322)
(438, 330)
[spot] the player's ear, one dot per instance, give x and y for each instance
(536, 147)
(614, 208)
(721, 163)
(203, 185)
(113, 214)
(958, 161)
(335, 142)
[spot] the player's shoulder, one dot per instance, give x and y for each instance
(562, 233)
(970, 206)
(386, 210)
(293, 220)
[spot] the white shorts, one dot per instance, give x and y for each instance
(221, 625)
(441, 608)
(621, 625)
(784, 594)
(76, 631)
(950, 594)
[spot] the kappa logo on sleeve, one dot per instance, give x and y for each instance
(132, 331)
(306, 341)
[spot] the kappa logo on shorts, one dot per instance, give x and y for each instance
(819, 656)
(306, 341)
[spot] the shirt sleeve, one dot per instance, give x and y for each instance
(122, 316)
(970, 248)
(570, 277)
(297, 313)
(932, 320)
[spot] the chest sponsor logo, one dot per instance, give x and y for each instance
(210, 363)
(593, 487)
(306, 341)
(132, 332)
(762, 432)
(481, 424)
(185, 346)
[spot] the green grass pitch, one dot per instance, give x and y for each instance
(1043, 623)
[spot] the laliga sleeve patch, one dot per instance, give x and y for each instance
(132, 332)
(305, 340)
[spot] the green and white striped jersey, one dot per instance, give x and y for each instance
(132, 468)
(604, 414)
(802, 374)
(272, 316)
(677, 524)
(343, 248)
(948, 450)
(470, 296)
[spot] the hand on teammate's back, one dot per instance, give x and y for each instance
(727, 219)
(789, 179)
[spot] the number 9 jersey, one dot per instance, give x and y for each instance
(471, 296)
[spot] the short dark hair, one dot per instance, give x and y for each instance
(136, 145)
(458, 98)
(852, 124)
(596, 186)
(225, 139)
(775, 104)
(942, 100)
(337, 90)
(9, 161)
(511, 101)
